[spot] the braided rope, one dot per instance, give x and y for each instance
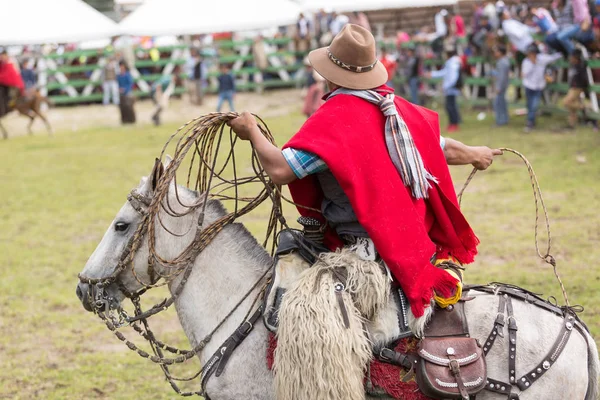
(539, 200)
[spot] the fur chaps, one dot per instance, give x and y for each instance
(317, 357)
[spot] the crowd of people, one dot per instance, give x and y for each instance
(517, 40)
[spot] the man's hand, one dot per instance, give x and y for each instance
(484, 156)
(243, 125)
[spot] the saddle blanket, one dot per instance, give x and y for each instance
(386, 377)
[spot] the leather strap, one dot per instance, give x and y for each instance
(390, 356)
(501, 388)
(512, 338)
(455, 369)
(528, 379)
(498, 329)
(219, 359)
(402, 305)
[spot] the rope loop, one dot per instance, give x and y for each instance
(538, 200)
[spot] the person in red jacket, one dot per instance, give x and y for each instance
(390, 66)
(11, 83)
(376, 167)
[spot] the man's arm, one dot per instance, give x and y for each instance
(270, 156)
(457, 153)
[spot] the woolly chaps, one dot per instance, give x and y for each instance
(318, 357)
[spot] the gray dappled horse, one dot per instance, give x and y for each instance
(234, 261)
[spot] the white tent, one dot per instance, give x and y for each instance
(367, 5)
(52, 21)
(188, 17)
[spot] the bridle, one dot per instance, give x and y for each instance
(115, 317)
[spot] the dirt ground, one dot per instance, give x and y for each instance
(81, 117)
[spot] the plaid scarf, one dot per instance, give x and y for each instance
(399, 141)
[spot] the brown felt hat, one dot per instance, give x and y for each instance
(351, 60)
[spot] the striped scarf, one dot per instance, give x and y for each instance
(400, 145)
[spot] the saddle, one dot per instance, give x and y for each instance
(448, 364)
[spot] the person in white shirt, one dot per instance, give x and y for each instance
(519, 34)
(337, 23)
(533, 74)
(492, 13)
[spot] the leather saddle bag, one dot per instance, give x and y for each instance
(451, 367)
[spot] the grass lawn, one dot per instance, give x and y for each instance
(60, 194)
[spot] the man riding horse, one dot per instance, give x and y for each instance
(373, 164)
(11, 84)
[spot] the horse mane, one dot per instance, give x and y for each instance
(247, 242)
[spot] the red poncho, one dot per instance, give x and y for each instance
(9, 76)
(347, 133)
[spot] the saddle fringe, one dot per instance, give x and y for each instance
(317, 357)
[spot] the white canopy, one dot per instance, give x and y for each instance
(188, 17)
(366, 5)
(52, 21)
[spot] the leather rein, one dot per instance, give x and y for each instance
(105, 307)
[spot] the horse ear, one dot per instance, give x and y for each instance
(168, 160)
(156, 174)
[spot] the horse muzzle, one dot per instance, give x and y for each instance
(86, 294)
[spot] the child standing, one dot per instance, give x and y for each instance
(452, 86)
(501, 75)
(578, 84)
(226, 88)
(533, 71)
(126, 100)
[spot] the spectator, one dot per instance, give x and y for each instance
(390, 65)
(491, 13)
(337, 23)
(315, 90)
(567, 29)
(110, 87)
(544, 21)
(518, 33)
(302, 39)
(476, 18)
(519, 10)
(413, 66)
(194, 74)
(441, 31)
(533, 71)
(28, 74)
(479, 37)
(160, 92)
(582, 17)
(578, 84)
(226, 88)
(457, 26)
(361, 19)
(261, 62)
(125, 82)
(322, 22)
(452, 85)
(501, 75)
(200, 72)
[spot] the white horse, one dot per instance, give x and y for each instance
(228, 267)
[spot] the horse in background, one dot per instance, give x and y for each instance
(28, 104)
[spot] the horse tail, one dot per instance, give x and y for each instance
(593, 367)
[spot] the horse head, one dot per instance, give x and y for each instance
(123, 265)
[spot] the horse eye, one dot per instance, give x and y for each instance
(121, 226)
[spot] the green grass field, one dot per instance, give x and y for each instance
(58, 196)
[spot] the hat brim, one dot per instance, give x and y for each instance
(342, 77)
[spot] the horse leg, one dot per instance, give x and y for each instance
(46, 122)
(32, 117)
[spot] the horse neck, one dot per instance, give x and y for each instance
(222, 274)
